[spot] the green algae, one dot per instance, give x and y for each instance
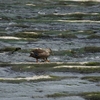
(91, 95)
(92, 64)
(78, 70)
(67, 36)
(92, 49)
(20, 80)
(94, 36)
(92, 78)
(77, 3)
(57, 95)
(88, 49)
(78, 51)
(28, 35)
(85, 95)
(6, 49)
(50, 67)
(33, 67)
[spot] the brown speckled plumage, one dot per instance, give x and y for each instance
(40, 53)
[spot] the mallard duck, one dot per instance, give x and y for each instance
(40, 53)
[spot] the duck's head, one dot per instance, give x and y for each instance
(49, 50)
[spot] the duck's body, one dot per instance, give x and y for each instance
(40, 53)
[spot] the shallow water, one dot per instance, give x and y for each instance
(55, 45)
(49, 17)
(39, 90)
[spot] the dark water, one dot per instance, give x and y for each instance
(49, 17)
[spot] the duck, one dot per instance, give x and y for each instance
(41, 53)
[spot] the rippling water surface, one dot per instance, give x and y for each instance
(63, 26)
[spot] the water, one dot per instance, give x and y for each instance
(41, 16)
(40, 90)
